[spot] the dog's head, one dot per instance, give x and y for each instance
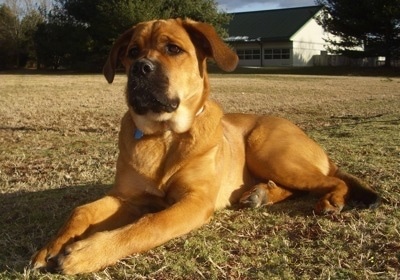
(165, 61)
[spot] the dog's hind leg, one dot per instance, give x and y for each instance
(278, 150)
(334, 191)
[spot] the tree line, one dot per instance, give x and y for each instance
(77, 34)
(372, 24)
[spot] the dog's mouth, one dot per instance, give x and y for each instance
(142, 103)
(149, 93)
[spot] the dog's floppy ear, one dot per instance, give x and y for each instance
(205, 37)
(117, 50)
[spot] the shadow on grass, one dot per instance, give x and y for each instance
(29, 219)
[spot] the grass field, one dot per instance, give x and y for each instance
(58, 138)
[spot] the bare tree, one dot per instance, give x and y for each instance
(18, 22)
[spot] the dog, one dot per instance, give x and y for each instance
(181, 158)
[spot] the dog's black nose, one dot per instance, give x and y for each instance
(143, 67)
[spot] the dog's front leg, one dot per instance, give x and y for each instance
(107, 247)
(81, 220)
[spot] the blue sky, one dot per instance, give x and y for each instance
(232, 6)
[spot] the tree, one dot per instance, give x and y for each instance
(61, 41)
(374, 24)
(18, 23)
(7, 20)
(104, 20)
(117, 15)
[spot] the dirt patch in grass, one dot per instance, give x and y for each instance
(58, 138)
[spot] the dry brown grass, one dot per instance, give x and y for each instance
(58, 149)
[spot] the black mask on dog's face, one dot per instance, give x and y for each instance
(148, 88)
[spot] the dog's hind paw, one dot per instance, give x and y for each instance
(257, 196)
(329, 205)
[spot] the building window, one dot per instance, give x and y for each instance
(276, 53)
(249, 54)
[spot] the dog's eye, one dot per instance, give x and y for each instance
(173, 49)
(134, 52)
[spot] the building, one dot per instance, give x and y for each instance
(284, 37)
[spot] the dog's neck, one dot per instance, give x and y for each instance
(151, 127)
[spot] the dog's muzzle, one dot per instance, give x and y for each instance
(148, 88)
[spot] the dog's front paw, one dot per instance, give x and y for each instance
(77, 258)
(40, 261)
(88, 255)
(46, 258)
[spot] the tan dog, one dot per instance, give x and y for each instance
(181, 158)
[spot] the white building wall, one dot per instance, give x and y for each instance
(307, 42)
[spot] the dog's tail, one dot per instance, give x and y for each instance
(358, 191)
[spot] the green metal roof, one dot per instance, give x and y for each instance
(270, 25)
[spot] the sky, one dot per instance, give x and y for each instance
(233, 6)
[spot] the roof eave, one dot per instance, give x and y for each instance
(258, 40)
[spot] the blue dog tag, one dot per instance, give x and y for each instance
(138, 134)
